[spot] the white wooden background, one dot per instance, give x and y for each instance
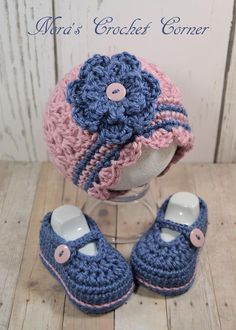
(203, 67)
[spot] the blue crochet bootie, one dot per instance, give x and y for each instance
(95, 284)
(169, 268)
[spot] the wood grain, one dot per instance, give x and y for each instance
(33, 299)
(227, 140)
(219, 192)
(6, 169)
(27, 76)
(39, 299)
(14, 220)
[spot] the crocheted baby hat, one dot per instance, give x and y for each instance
(102, 115)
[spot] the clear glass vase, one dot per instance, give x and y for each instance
(124, 219)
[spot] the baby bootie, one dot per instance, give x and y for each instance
(169, 267)
(94, 283)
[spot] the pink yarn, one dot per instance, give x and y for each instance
(67, 142)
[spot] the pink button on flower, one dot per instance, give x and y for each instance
(197, 237)
(62, 254)
(116, 92)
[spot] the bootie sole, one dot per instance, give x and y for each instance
(83, 306)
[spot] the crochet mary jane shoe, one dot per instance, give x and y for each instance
(169, 267)
(94, 283)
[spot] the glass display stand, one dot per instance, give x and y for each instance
(124, 219)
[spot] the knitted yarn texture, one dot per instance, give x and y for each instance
(91, 138)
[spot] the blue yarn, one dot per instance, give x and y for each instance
(94, 280)
(168, 266)
(115, 122)
(105, 162)
(80, 166)
(168, 125)
(170, 107)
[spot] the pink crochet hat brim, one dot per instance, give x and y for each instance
(67, 142)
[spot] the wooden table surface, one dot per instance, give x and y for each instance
(30, 298)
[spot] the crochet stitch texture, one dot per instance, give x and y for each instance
(91, 138)
(95, 284)
(115, 122)
(168, 267)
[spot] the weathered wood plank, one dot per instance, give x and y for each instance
(227, 141)
(26, 77)
(6, 169)
(39, 299)
(14, 220)
(216, 183)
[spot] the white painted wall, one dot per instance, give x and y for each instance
(31, 64)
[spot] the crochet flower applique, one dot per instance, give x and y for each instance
(116, 122)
